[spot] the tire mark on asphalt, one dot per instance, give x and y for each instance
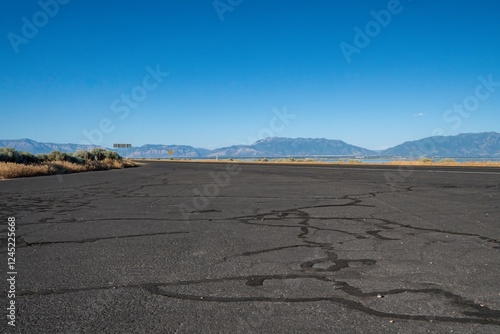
(24, 243)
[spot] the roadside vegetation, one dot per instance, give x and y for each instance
(420, 162)
(22, 164)
(445, 162)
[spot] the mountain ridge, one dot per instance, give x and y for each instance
(483, 144)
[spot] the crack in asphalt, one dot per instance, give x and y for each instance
(481, 315)
(471, 311)
(344, 294)
(23, 243)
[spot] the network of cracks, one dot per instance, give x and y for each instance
(320, 278)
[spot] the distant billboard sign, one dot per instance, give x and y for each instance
(122, 145)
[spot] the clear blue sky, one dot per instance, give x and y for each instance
(231, 66)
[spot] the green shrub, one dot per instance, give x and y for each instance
(11, 155)
(112, 155)
(353, 161)
(8, 154)
(84, 155)
(28, 158)
(74, 159)
(425, 160)
(42, 157)
(61, 156)
(56, 156)
(447, 160)
(99, 154)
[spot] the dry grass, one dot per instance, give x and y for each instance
(10, 170)
(446, 163)
(348, 162)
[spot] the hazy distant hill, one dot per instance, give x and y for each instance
(146, 151)
(35, 147)
(309, 146)
(203, 151)
(486, 144)
(236, 151)
(281, 147)
(162, 151)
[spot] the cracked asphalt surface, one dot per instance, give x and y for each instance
(174, 247)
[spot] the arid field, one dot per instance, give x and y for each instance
(22, 164)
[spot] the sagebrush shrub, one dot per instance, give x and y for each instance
(99, 154)
(9, 155)
(84, 155)
(28, 158)
(80, 157)
(112, 155)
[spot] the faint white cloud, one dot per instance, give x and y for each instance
(420, 114)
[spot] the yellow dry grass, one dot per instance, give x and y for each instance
(446, 163)
(10, 170)
(347, 162)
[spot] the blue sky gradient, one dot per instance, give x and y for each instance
(233, 64)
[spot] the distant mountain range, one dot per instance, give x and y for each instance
(156, 151)
(35, 147)
(484, 145)
(282, 147)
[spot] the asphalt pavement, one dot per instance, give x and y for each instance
(171, 247)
